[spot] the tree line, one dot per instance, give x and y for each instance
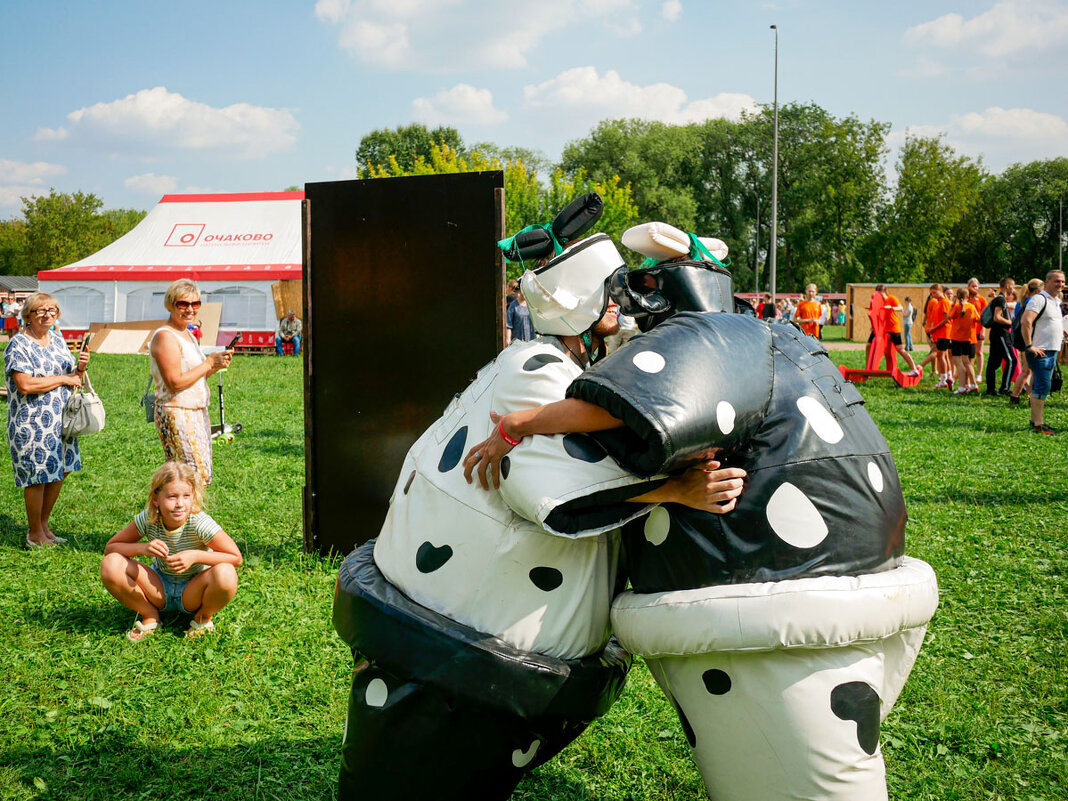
(841, 219)
(942, 217)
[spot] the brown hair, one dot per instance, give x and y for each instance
(168, 473)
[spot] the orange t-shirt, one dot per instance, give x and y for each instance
(962, 326)
(980, 303)
(936, 314)
(893, 317)
(808, 316)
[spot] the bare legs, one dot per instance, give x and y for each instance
(134, 585)
(137, 587)
(210, 591)
(39, 500)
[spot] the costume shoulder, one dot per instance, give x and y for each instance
(565, 483)
(532, 374)
(697, 380)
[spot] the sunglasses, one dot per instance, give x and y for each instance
(187, 304)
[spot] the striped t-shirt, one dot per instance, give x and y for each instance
(198, 531)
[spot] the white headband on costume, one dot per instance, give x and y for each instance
(568, 295)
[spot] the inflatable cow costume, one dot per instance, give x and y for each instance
(479, 621)
(784, 631)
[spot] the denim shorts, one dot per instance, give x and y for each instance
(1042, 372)
(173, 587)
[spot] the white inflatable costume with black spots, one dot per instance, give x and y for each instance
(783, 631)
(484, 616)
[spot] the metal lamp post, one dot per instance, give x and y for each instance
(775, 172)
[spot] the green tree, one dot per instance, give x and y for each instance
(14, 258)
(1029, 205)
(657, 160)
(63, 227)
(936, 189)
(405, 144)
(526, 200)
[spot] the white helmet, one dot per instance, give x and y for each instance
(569, 295)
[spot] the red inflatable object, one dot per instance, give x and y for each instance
(881, 350)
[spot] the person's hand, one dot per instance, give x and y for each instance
(72, 379)
(83, 361)
(181, 561)
(157, 548)
(487, 456)
(707, 487)
(1037, 351)
(221, 360)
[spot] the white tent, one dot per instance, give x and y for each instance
(235, 246)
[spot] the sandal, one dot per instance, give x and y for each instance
(199, 629)
(141, 630)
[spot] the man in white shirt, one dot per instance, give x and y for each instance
(1042, 328)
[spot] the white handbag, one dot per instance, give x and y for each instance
(84, 412)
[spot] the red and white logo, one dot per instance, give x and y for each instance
(184, 235)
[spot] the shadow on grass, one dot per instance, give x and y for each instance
(117, 764)
(272, 441)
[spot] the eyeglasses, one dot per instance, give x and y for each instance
(48, 312)
(187, 304)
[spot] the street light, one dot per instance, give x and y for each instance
(756, 250)
(775, 172)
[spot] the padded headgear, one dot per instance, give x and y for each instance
(654, 293)
(538, 241)
(569, 295)
(661, 241)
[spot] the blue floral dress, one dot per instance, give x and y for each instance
(39, 454)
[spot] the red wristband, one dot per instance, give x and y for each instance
(508, 439)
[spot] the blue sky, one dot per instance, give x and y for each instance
(131, 100)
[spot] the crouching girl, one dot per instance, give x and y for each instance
(193, 559)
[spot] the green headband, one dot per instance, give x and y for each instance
(507, 244)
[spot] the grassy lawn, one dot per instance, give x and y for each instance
(256, 711)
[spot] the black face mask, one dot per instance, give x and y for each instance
(652, 295)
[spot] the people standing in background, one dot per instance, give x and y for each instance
(41, 373)
(936, 326)
(892, 306)
(1001, 350)
(180, 370)
(977, 300)
(289, 330)
(518, 321)
(1042, 330)
(808, 312)
(908, 315)
(962, 318)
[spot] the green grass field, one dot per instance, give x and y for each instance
(256, 711)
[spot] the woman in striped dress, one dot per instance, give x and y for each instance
(180, 371)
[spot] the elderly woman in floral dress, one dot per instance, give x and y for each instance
(40, 373)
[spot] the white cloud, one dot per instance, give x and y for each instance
(156, 119)
(1001, 136)
(671, 10)
(1015, 124)
(19, 179)
(581, 89)
(448, 35)
(51, 134)
(19, 172)
(463, 104)
(1008, 27)
(151, 184)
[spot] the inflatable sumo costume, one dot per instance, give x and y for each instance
(783, 631)
(479, 621)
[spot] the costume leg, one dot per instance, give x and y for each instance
(439, 710)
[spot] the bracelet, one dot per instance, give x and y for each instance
(508, 439)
